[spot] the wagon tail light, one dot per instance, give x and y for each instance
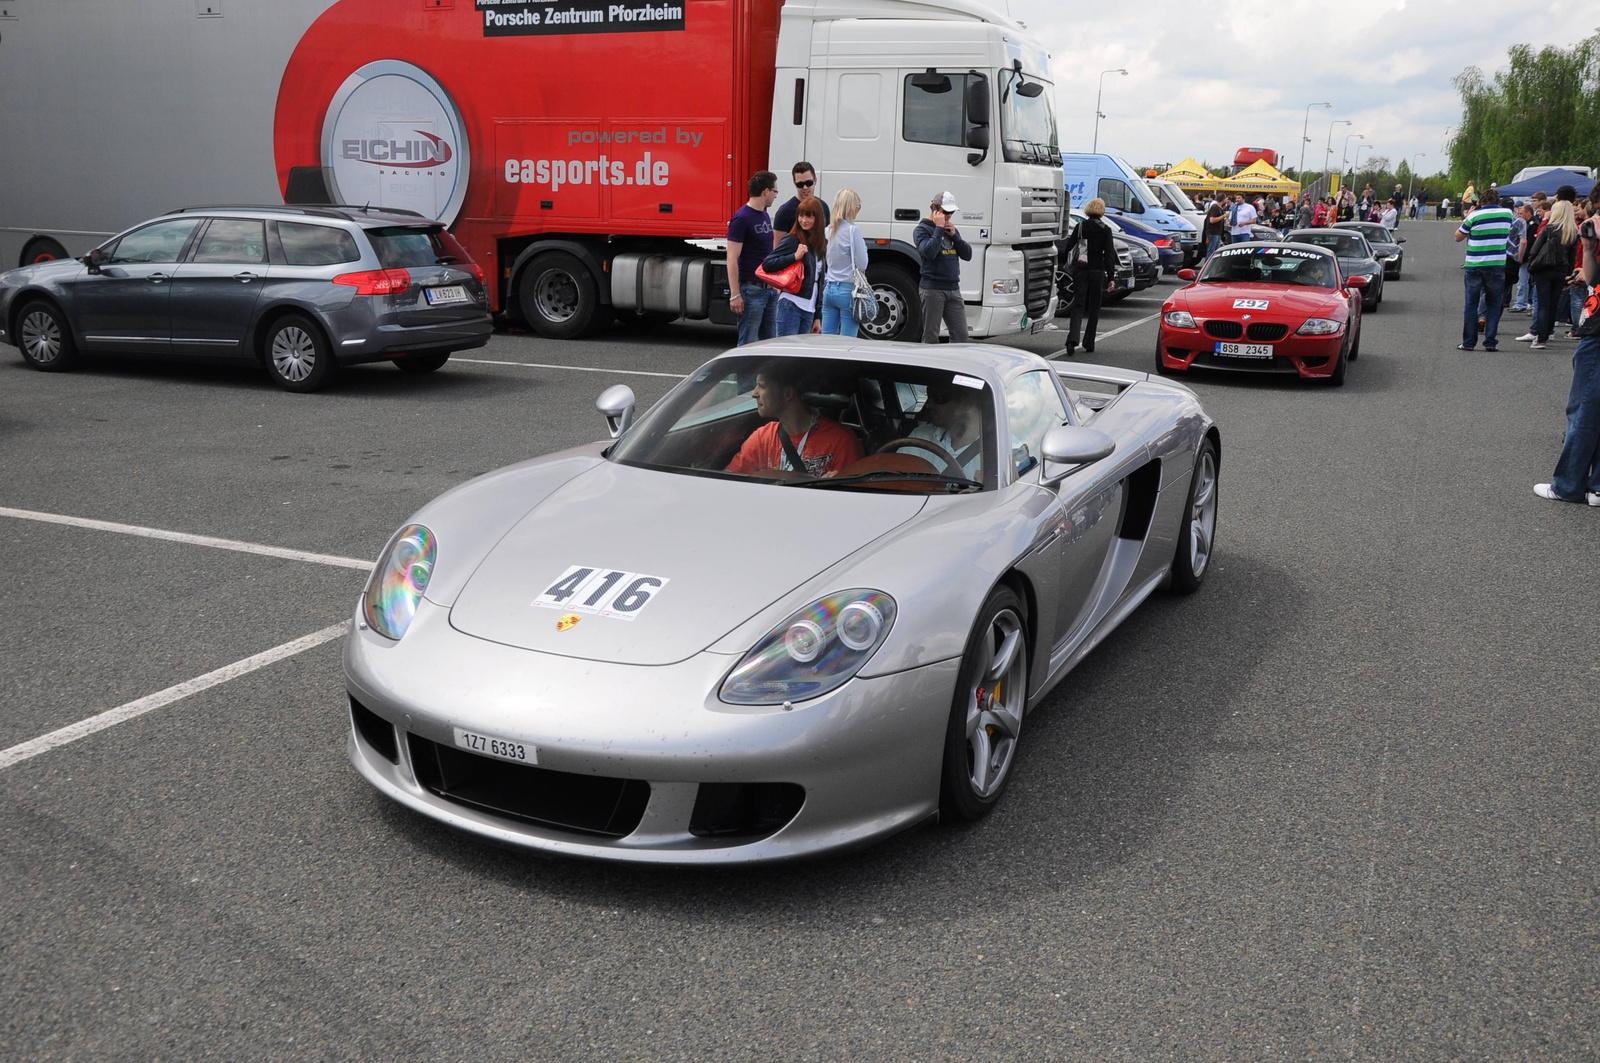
(378, 281)
(477, 271)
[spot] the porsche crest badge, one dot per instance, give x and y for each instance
(568, 622)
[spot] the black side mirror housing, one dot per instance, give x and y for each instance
(94, 260)
(977, 100)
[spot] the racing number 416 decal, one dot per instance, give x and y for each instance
(606, 592)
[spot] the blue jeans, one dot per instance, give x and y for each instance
(1520, 302)
(760, 318)
(1549, 295)
(1212, 243)
(792, 321)
(1578, 468)
(838, 309)
(1242, 238)
(1489, 285)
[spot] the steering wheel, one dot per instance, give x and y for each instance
(951, 465)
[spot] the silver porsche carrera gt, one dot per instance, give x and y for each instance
(803, 602)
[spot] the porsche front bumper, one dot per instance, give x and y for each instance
(670, 762)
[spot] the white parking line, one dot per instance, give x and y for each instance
(1129, 325)
(192, 540)
(122, 713)
(574, 368)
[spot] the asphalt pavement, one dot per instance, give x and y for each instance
(1342, 803)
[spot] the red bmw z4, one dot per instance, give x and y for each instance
(1265, 308)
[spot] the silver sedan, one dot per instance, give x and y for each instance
(805, 601)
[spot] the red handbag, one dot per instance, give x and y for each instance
(788, 279)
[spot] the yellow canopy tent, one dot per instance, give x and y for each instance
(1190, 174)
(1260, 177)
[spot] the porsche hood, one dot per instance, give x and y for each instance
(637, 566)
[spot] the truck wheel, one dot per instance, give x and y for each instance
(899, 305)
(558, 296)
(41, 249)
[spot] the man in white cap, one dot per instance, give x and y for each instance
(942, 251)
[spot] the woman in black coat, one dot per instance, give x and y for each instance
(1092, 258)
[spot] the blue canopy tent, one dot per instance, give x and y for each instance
(1547, 183)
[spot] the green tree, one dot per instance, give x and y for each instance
(1542, 108)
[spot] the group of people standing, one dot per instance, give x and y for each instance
(829, 246)
(1555, 244)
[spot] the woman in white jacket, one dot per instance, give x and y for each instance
(847, 252)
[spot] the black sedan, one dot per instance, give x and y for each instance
(1385, 244)
(1356, 258)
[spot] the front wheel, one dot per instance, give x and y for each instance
(44, 338)
(297, 355)
(986, 718)
(1198, 537)
(899, 315)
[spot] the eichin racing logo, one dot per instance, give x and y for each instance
(405, 154)
(392, 137)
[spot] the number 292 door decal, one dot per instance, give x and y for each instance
(602, 591)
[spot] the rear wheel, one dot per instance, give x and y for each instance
(44, 338)
(297, 355)
(986, 718)
(1198, 537)
(899, 315)
(558, 295)
(422, 361)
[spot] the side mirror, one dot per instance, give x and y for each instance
(94, 260)
(978, 137)
(617, 404)
(1399, 239)
(1186, 274)
(977, 100)
(1355, 283)
(1067, 444)
(1135, 205)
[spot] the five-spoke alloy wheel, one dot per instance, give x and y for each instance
(986, 719)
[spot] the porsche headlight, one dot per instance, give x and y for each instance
(1179, 319)
(814, 651)
(399, 580)
(1319, 326)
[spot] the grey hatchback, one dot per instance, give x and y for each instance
(299, 290)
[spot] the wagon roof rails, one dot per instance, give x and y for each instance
(345, 213)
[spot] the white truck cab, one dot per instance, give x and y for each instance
(901, 100)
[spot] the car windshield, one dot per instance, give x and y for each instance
(1028, 123)
(1345, 245)
(1253, 263)
(821, 423)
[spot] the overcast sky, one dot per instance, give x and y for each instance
(1205, 78)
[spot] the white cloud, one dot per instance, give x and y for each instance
(1206, 79)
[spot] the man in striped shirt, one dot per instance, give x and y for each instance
(1485, 230)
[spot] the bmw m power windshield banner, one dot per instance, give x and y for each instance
(528, 18)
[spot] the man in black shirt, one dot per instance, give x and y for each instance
(805, 185)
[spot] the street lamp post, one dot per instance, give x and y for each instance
(1356, 164)
(1327, 155)
(1300, 174)
(1412, 183)
(1344, 156)
(1097, 97)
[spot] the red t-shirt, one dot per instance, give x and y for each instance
(829, 447)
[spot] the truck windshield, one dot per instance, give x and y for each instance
(1028, 123)
(1176, 198)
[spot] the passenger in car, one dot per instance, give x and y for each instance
(796, 437)
(953, 418)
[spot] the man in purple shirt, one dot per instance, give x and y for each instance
(749, 243)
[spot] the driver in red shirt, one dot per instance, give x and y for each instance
(823, 446)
